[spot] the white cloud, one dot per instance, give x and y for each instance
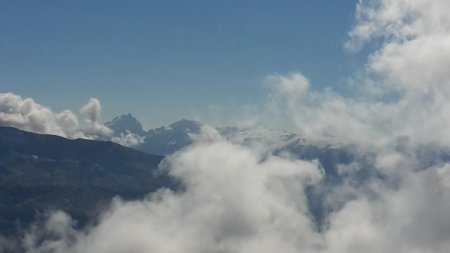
(408, 95)
(92, 110)
(128, 139)
(239, 200)
(293, 84)
(410, 218)
(68, 121)
(28, 115)
(242, 204)
(93, 126)
(415, 52)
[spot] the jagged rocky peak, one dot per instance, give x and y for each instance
(169, 139)
(124, 122)
(186, 125)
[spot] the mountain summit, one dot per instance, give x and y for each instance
(166, 140)
(126, 122)
(163, 140)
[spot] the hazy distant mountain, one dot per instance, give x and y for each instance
(126, 122)
(330, 155)
(45, 172)
(166, 140)
(158, 141)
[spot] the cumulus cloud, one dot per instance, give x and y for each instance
(237, 199)
(407, 84)
(128, 139)
(294, 83)
(416, 45)
(28, 115)
(409, 218)
(93, 125)
(249, 203)
(92, 110)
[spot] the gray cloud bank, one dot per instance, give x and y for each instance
(244, 199)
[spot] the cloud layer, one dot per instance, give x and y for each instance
(240, 200)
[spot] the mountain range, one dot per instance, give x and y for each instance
(159, 141)
(339, 162)
(40, 173)
(169, 139)
(166, 140)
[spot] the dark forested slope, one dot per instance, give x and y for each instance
(39, 173)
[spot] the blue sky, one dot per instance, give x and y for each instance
(167, 60)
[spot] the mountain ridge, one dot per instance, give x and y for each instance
(125, 122)
(41, 172)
